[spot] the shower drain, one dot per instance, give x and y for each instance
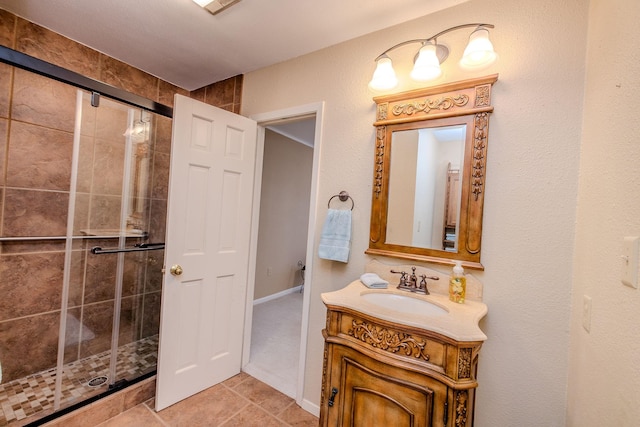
(97, 381)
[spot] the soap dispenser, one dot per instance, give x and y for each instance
(457, 284)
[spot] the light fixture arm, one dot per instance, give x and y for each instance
(432, 38)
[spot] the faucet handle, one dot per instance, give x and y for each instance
(423, 284)
(403, 277)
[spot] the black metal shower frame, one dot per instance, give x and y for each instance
(55, 72)
(38, 66)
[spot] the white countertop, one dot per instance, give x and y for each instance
(460, 322)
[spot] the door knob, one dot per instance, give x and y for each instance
(176, 270)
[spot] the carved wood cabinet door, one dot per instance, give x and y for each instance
(369, 393)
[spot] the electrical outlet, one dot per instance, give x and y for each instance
(586, 313)
(269, 271)
(630, 255)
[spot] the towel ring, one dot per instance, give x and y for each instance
(343, 196)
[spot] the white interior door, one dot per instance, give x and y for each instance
(208, 237)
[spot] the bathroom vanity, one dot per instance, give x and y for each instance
(394, 358)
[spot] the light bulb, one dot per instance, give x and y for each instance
(384, 77)
(427, 65)
(479, 52)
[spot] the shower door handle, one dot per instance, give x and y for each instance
(176, 270)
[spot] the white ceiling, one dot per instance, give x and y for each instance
(181, 43)
(300, 130)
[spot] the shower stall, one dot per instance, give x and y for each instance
(83, 197)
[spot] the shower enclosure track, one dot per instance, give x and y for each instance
(38, 66)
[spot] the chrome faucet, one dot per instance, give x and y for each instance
(410, 282)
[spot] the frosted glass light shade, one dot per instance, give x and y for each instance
(202, 3)
(479, 52)
(384, 77)
(427, 65)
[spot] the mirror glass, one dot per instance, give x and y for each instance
(424, 191)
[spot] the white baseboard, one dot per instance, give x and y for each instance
(277, 295)
(271, 380)
(310, 407)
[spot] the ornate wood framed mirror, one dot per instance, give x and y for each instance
(429, 173)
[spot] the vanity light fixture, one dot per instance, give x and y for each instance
(215, 6)
(478, 54)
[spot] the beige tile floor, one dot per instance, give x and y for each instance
(240, 401)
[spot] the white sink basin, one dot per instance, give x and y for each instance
(403, 303)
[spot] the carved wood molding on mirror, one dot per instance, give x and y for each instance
(421, 214)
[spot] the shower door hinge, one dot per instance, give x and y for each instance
(95, 99)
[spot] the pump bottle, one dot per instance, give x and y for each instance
(457, 284)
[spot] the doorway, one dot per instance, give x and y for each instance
(278, 299)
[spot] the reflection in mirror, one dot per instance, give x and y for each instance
(139, 133)
(429, 173)
(424, 192)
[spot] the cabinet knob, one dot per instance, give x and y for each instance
(334, 391)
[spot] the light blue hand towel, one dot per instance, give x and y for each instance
(335, 241)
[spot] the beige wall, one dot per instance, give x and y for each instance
(532, 178)
(284, 214)
(604, 374)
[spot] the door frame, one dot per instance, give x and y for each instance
(263, 119)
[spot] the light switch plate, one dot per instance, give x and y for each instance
(630, 256)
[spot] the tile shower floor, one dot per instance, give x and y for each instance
(34, 394)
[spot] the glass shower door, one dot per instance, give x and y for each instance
(112, 237)
(77, 173)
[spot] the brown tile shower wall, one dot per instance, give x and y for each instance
(36, 137)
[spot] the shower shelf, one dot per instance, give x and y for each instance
(142, 235)
(115, 232)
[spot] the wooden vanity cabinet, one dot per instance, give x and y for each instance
(378, 373)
